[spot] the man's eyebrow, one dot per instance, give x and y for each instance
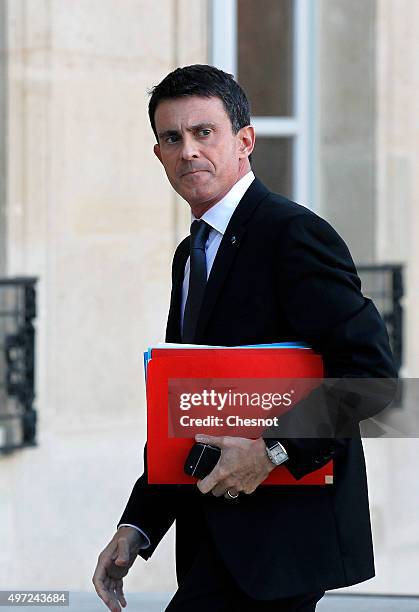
(167, 133)
(192, 128)
(200, 126)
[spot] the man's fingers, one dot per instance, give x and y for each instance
(213, 479)
(110, 599)
(98, 581)
(213, 440)
(205, 485)
(102, 591)
(231, 493)
(120, 593)
(112, 566)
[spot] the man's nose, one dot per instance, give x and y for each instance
(189, 149)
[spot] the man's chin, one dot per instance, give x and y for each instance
(196, 195)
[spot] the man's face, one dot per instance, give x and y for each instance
(202, 157)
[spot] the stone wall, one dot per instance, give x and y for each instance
(3, 135)
(346, 121)
(368, 179)
(398, 155)
(86, 207)
(91, 213)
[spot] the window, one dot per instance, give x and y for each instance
(267, 45)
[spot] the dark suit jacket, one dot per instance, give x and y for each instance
(281, 273)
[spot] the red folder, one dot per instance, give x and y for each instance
(166, 455)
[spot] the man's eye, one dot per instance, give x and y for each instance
(171, 139)
(204, 132)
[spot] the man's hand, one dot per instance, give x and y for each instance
(113, 564)
(243, 465)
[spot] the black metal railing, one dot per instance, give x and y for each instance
(17, 363)
(383, 283)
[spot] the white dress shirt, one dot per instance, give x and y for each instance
(218, 217)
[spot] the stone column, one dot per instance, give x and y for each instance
(346, 105)
(398, 155)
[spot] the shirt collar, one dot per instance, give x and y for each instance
(219, 215)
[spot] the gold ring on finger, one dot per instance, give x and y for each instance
(231, 495)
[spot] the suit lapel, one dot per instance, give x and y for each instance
(224, 259)
(173, 321)
(228, 250)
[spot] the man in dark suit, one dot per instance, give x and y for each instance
(275, 271)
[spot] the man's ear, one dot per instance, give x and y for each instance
(246, 140)
(157, 152)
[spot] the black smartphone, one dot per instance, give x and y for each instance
(201, 460)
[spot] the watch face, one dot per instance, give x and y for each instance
(277, 455)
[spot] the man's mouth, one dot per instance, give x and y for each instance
(192, 172)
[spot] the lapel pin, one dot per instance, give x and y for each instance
(233, 240)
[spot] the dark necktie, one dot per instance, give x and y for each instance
(197, 279)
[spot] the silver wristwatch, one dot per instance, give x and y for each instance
(275, 451)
